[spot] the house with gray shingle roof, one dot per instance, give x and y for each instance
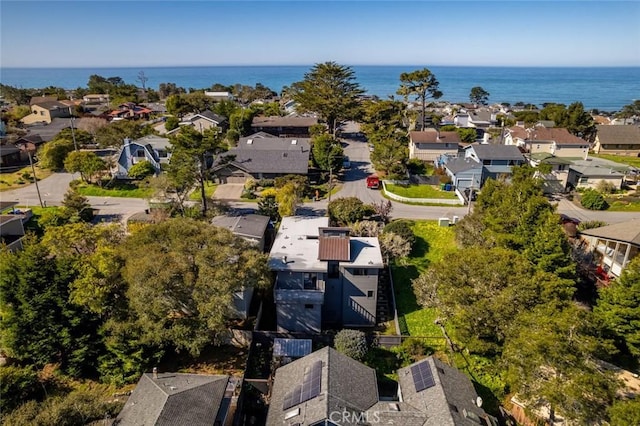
(342, 389)
(169, 399)
(496, 160)
(324, 276)
(263, 157)
(430, 393)
(151, 148)
(285, 127)
(618, 140)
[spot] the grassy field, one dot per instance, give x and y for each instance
(420, 191)
(209, 190)
(123, 189)
(623, 159)
(432, 244)
(21, 178)
(623, 206)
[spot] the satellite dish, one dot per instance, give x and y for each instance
(479, 402)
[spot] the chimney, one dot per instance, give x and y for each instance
(155, 373)
(284, 259)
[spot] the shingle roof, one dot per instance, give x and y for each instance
(213, 116)
(249, 225)
(434, 137)
(156, 142)
(447, 401)
(51, 105)
(288, 121)
(272, 155)
(5, 205)
(497, 152)
(559, 135)
(628, 232)
(8, 150)
(457, 165)
(619, 134)
(346, 384)
(174, 399)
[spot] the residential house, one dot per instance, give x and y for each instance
(542, 140)
(219, 96)
(11, 226)
(481, 118)
(48, 132)
(284, 127)
(556, 180)
(431, 144)
(262, 156)
(465, 173)
(10, 157)
(497, 160)
(164, 399)
(202, 121)
(324, 387)
(618, 140)
(329, 388)
(251, 228)
(46, 111)
(29, 142)
(324, 276)
(151, 148)
(614, 245)
(443, 395)
(96, 98)
(130, 111)
(589, 173)
(39, 99)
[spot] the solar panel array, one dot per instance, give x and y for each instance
(422, 376)
(310, 387)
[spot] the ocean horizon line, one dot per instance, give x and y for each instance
(311, 65)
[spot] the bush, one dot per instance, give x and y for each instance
(591, 224)
(17, 385)
(416, 167)
(250, 184)
(352, 343)
(266, 183)
(248, 194)
(593, 200)
(402, 228)
(349, 210)
(141, 170)
(605, 187)
(412, 350)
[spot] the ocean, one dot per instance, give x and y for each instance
(602, 88)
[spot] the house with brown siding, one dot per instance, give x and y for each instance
(542, 140)
(618, 140)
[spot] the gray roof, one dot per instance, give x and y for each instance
(450, 401)
(497, 152)
(346, 384)
(5, 205)
(156, 142)
(49, 131)
(8, 150)
(174, 399)
(212, 116)
(272, 155)
(288, 121)
(247, 225)
(595, 171)
(628, 232)
(458, 165)
(619, 134)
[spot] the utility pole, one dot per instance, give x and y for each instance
(73, 133)
(35, 178)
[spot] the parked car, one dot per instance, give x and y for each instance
(373, 182)
(346, 163)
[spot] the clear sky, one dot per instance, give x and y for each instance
(172, 33)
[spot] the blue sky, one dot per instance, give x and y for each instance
(172, 33)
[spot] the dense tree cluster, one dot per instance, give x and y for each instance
(98, 303)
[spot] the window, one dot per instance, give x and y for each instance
(360, 271)
(41, 112)
(370, 293)
(162, 153)
(584, 179)
(308, 306)
(140, 153)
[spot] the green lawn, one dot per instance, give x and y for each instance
(209, 190)
(22, 177)
(126, 190)
(432, 244)
(623, 159)
(623, 206)
(420, 191)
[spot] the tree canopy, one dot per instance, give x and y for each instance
(479, 96)
(421, 84)
(331, 91)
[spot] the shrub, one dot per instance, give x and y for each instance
(250, 184)
(593, 200)
(17, 385)
(401, 228)
(591, 224)
(605, 187)
(352, 343)
(266, 183)
(141, 170)
(412, 350)
(349, 210)
(416, 166)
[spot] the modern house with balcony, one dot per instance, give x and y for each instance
(614, 245)
(324, 277)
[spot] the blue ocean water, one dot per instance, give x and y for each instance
(603, 88)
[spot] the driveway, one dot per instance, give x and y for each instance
(228, 191)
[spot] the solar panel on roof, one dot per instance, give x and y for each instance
(422, 376)
(309, 389)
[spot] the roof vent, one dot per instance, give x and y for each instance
(249, 141)
(394, 407)
(294, 141)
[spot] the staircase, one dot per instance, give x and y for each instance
(383, 305)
